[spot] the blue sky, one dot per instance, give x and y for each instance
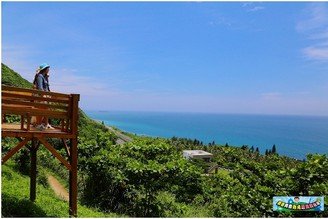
(222, 57)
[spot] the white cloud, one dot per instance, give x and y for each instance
(250, 7)
(316, 16)
(257, 8)
(314, 26)
(245, 4)
(321, 35)
(316, 52)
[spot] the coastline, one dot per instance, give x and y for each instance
(293, 136)
(122, 138)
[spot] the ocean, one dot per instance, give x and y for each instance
(294, 136)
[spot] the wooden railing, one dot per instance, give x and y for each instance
(29, 103)
(24, 104)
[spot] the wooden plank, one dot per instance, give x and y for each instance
(17, 133)
(34, 104)
(18, 89)
(33, 112)
(15, 149)
(53, 99)
(25, 94)
(13, 130)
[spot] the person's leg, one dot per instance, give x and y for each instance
(39, 124)
(38, 120)
(47, 125)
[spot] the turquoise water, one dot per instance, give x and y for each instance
(294, 136)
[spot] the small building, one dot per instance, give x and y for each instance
(197, 154)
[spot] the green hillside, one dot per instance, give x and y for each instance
(15, 198)
(11, 78)
(15, 183)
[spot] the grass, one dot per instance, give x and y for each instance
(15, 199)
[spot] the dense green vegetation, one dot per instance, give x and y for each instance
(149, 177)
(11, 78)
(15, 198)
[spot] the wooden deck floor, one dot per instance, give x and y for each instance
(12, 130)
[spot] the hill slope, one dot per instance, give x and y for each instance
(16, 203)
(15, 185)
(12, 78)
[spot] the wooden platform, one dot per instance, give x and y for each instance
(24, 104)
(14, 130)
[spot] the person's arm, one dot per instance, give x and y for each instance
(39, 82)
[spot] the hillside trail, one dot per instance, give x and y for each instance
(59, 190)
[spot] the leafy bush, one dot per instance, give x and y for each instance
(127, 178)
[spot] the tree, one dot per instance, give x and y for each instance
(244, 147)
(274, 151)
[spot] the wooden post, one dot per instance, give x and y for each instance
(73, 179)
(33, 151)
(73, 157)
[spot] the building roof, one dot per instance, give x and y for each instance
(197, 152)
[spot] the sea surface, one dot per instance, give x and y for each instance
(294, 136)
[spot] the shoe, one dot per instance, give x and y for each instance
(41, 127)
(49, 127)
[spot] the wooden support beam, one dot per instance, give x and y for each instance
(22, 122)
(33, 152)
(15, 149)
(28, 122)
(66, 148)
(73, 157)
(54, 152)
(73, 180)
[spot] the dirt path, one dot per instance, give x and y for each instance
(58, 188)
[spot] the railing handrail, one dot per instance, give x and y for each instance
(33, 91)
(30, 102)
